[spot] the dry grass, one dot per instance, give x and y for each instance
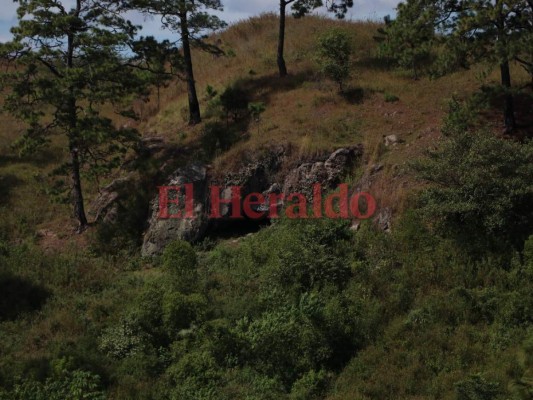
(306, 111)
(303, 110)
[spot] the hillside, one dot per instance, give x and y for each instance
(438, 307)
(303, 110)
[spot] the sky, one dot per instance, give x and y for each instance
(234, 10)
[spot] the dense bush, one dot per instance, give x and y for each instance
(334, 52)
(217, 137)
(234, 101)
(481, 189)
(179, 259)
(65, 384)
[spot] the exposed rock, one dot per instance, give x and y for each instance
(275, 188)
(106, 206)
(356, 225)
(338, 163)
(384, 220)
(302, 179)
(153, 144)
(328, 173)
(261, 175)
(163, 231)
(376, 168)
(391, 140)
(257, 176)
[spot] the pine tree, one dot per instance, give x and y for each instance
(190, 19)
(69, 64)
(524, 54)
(300, 9)
(492, 32)
(161, 61)
(407, 40)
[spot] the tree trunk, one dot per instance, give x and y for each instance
(281, 39)
(194, 105)
(508, 112)
(77, 194)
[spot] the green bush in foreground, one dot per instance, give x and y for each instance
(180, 260)
(334, 54)
(481, 190)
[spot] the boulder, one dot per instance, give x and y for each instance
(163, 231)
(327, 173)
(105, 208)
(391, 140)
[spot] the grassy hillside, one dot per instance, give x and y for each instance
(441, 308)
(304, 109)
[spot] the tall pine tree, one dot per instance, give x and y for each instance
(300, 9)
(191, 20)
(68, 64)
(495, 32)
(407, 40)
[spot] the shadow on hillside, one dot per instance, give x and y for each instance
(523, 103)
(235, 229)
(7, 184)
(41, 158)
(19, 296)
(373, 64)
(354, 95)
(266, 86)
(524, 114)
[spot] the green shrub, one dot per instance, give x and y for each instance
(217, 137)
(528, 251)
(234, 102)
(179, 259)
(477, 388)
(334, 53)
(311, 386)
(256, 109)
(522, 387)
(250, 385)
(181, 311)
(390, 98)
(481, 190)
(285, 344)
(123, 340)
(65, 384)
(196, 376)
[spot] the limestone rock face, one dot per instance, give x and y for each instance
(265, 174)
(105, 208)
(326, 173)
(163, 231)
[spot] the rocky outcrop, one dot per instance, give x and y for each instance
(163, 231)
(384, 220)
(106, 207)
(268, 173)
(326, 173)
(391, 140)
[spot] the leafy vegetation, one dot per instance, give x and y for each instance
(334, 52)
(439, 307)
(67, 64)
